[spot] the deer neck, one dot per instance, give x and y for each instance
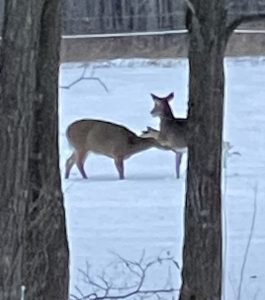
(141, 144)
(167, 114)
(166, 120)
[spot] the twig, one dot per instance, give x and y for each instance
(242, 272)
(83, 77)
(79, 291)
(130, 264)
(142, 257)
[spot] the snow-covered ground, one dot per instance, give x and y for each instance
(145, 211)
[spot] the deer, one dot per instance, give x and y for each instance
(106, 138)
(150, 132)
(173, 131)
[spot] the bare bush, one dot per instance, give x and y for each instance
(124, 278)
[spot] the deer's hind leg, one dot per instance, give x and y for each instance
(80, 160)
(69, 164)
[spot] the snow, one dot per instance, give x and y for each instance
(145, 211)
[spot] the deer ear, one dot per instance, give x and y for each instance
(154, 96)
(170, 96)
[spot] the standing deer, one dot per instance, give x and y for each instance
(173, 131)
(105, 138)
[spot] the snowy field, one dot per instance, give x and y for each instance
(144, 212)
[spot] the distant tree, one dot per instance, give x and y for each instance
(209, 30)
(33, 244)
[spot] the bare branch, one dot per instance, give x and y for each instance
(129, 265)
(124, 296)
(106, 290)
(190, 6)
(79, 291)
(88, 280)
(73, 297)
(236, 21)
(176, 264)
(83, 77)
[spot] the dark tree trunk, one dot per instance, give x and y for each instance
(33, 244)
(202, 252)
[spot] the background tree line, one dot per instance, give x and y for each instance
(100, 16)
(89, 16)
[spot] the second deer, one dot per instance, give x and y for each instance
(105, 138)
(172, 133)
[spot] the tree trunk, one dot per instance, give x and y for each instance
(202, 251)
(33, 245)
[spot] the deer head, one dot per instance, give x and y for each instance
(150, 133)
(162, 107)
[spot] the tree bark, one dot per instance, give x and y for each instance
(33, 245)
(202, 251)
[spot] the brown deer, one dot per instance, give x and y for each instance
(105, 138)
(173, 131)
(150, 132)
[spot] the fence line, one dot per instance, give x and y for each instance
(148, 33)
(124, 34)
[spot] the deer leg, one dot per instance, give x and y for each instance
(69, 164)
(178, 162)
(120, 167)
(80, 160)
